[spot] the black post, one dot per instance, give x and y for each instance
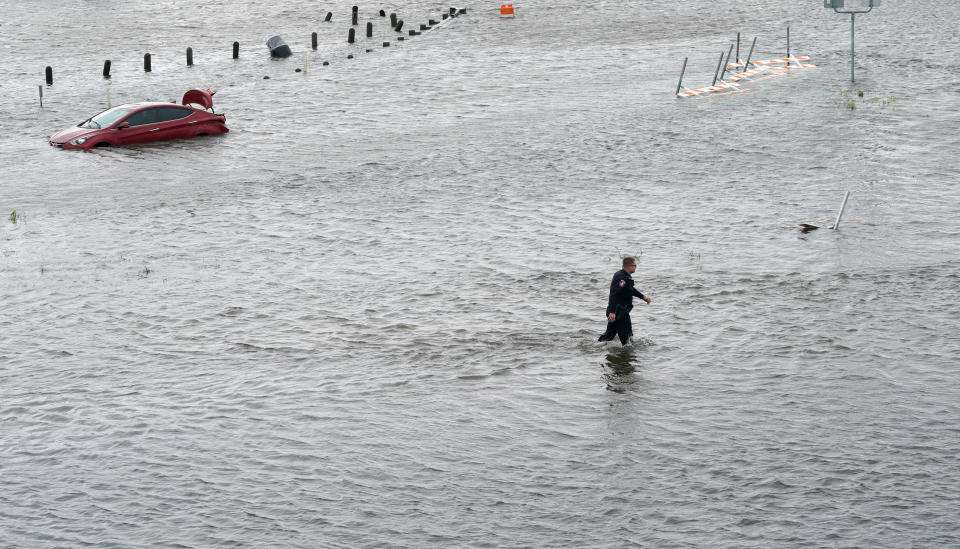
(369, 29)
(749, 55)
(788, 41)
(106, 69)
(146, 62)
(383, 13)
(313, 40)
(393, 20)
(189, 57)
(329, 15)
(236, 50)
(49, 75)
(682, 70)
(386, 44)
(716, 72)
(355, 8)
(350, 36)
(738, 47)
(399, 25)
(727, 62)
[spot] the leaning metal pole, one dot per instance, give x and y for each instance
(723, 71)
(717, 72)
(842, 206)
(682, 70)
(749, 55)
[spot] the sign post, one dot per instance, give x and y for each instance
(837, 4)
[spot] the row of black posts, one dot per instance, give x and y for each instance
(397, 25)
(147, 61)
(394, 23)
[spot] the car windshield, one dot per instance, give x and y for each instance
(106, 118)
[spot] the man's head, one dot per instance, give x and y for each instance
(629, 265)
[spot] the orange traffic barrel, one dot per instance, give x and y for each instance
(506, 10)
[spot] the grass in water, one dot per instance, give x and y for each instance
(887, 101)
(848, 99)
(621, 256)
(15, 217)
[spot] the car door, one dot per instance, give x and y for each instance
(175, 122)
(143, 127)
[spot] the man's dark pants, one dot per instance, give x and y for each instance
(621, 327)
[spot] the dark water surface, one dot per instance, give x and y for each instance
(366, 316)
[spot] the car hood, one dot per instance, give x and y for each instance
(72, 132)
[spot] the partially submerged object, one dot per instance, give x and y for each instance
(278, 48)
(761, 70)
(145, 122)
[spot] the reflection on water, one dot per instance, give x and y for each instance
(619, 365)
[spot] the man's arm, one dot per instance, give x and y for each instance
(637, 293)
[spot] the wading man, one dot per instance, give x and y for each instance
(620, 303)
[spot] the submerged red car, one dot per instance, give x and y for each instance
(143, 122)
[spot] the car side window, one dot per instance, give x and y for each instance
(167, 114)
(146, 116)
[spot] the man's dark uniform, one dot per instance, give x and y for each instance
(620, 303)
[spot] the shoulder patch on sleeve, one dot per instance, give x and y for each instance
(622, 282)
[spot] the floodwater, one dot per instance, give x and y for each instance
(367, 316)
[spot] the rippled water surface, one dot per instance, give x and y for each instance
(367, 316)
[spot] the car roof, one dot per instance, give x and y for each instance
(144, 104)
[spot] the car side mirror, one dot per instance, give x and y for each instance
(123, 125)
